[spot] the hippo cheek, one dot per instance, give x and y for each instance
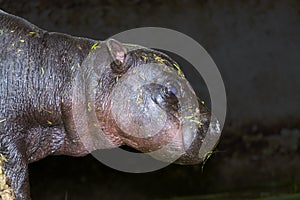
(169, 134)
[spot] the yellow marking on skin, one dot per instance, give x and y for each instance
(98, 108)
(22, 40)
(178, 69)
(43, 71)
(94, 46)
(12, 31)
(79, 47)
(189, 117)
(19, 50)
(89, 107)
(12, 44)
(1, 31)
(48, 111)
(73, 68)
(139, 98)
(202, 102)
(31, 32)
(96, 125)
(159, 59)
(142, 77)
(206, 157)
(117, 78)
(2, 158)
(196, 121)
(78, 65)
(144, 57)
(193, 119)
(49, 122)
(2, 120)
(62, 100)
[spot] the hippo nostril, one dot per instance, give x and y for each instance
(164, 96)
(171, 90)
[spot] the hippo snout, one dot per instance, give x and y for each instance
(203, 142)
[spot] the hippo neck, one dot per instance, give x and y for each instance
(61, 59)
(63, 56)
(66, 56)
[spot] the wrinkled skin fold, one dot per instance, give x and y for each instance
(68, 95)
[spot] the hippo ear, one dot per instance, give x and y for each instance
(117, 51)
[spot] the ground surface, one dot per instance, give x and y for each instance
(6, 193)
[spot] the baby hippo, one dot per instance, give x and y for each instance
(64, 95)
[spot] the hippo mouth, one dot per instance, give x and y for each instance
(204, 141)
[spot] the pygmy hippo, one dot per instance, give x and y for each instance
(53, 86)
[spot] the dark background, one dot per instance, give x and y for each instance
(256, 46)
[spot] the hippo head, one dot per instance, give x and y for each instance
(143, 100)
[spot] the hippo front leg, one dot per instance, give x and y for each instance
(16, 168)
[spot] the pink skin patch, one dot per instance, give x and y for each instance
(120, 56)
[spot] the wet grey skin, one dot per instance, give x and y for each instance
(141, 99)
